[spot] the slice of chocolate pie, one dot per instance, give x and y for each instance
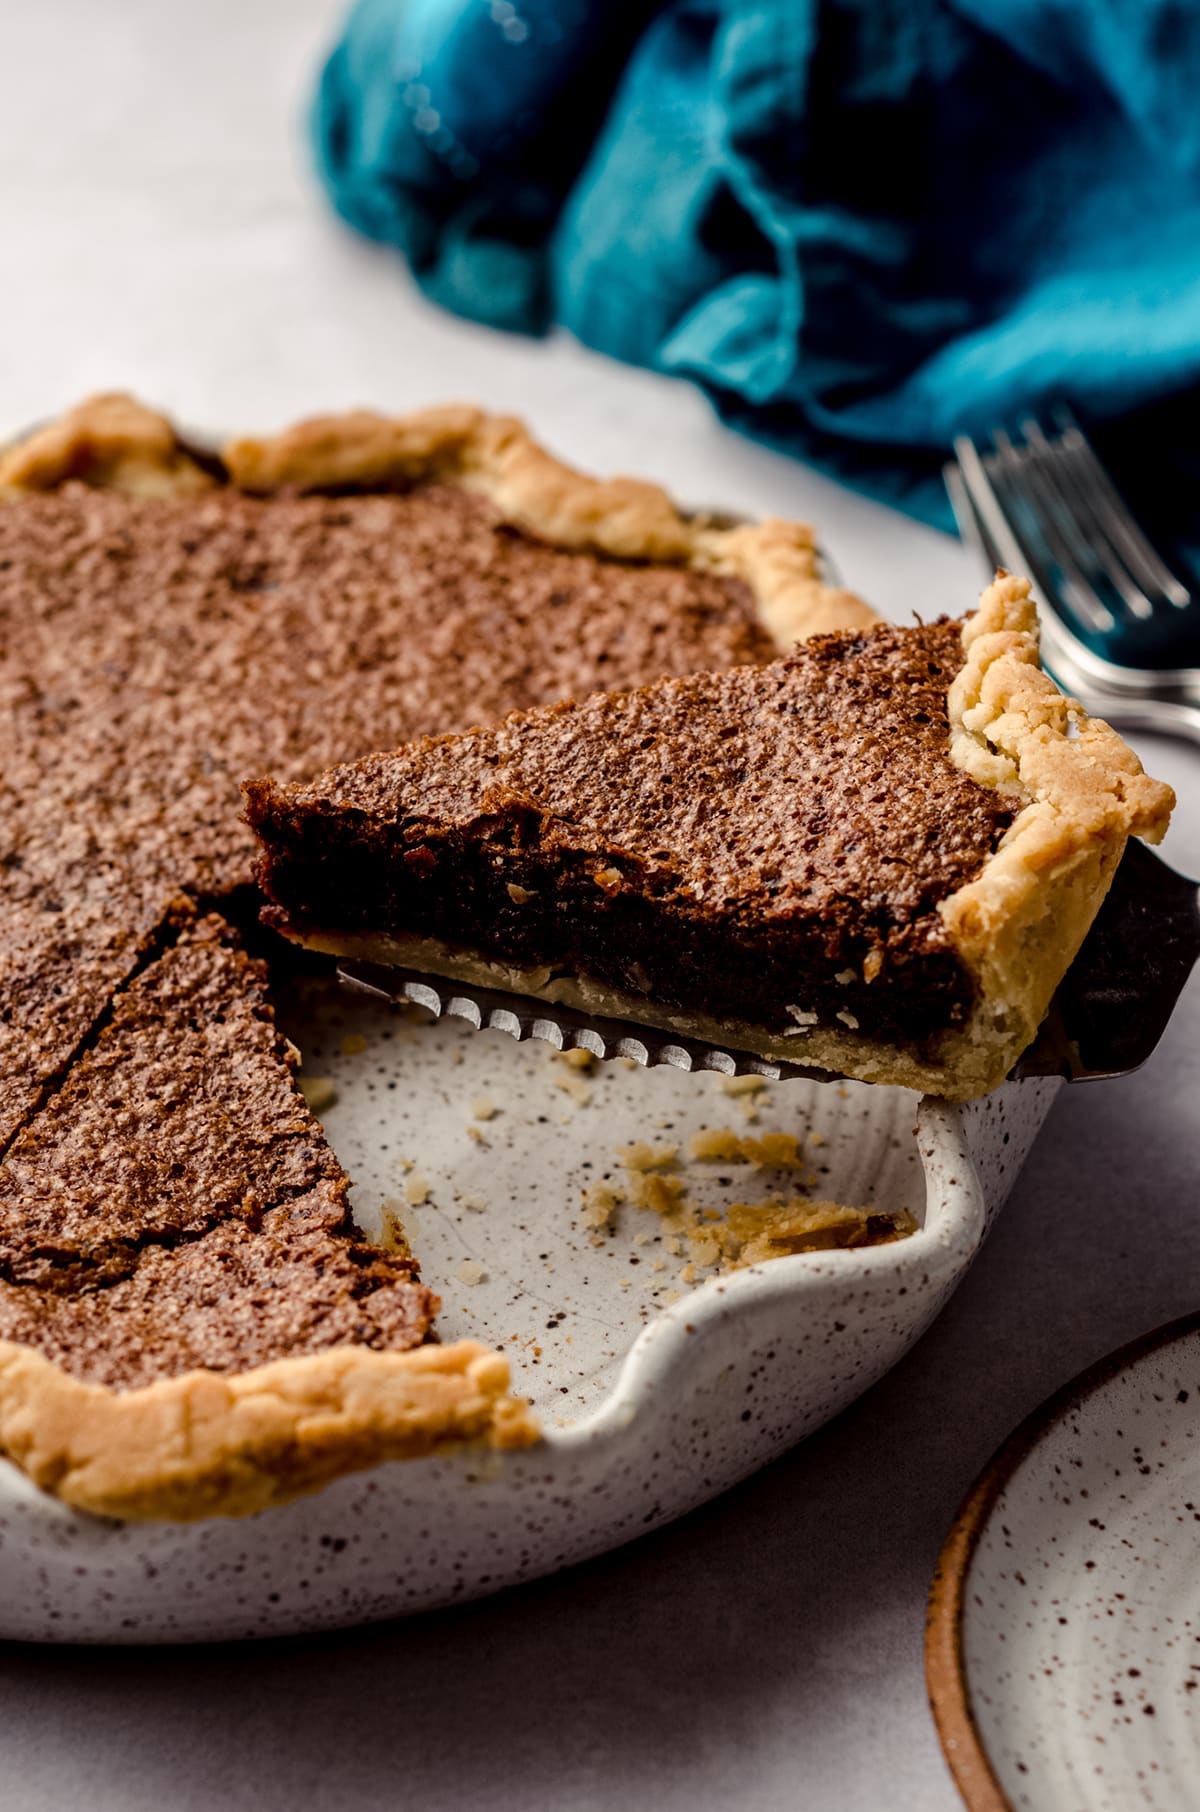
(877, 856)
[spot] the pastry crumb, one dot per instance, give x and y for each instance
(743, 1085)
(574, 1085)
(642, 1156)
(475, 1203)
(600, 1203)
(319, 1093)
(721, 1145)
(470, 1271)
(578, 1058)
(353, 1044)
(716, 1145)
(484, 1108)
(393, 1232)
(416, 1190)
(520, 896)
(773, 1150)
(651, 1189)
(775, 1229)
(473, 1132)
(704, 1247)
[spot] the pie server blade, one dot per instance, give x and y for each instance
(1105, 1020)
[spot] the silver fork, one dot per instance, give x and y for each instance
(1119, 628)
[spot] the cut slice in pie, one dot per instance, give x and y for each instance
(189, 1320)
(877, 856)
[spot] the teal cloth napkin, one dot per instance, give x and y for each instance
(861, 225)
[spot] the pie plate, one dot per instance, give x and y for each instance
(655, 1390)
(1063, 1650)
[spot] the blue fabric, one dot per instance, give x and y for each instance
(861, 225)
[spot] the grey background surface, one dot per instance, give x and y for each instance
(158, 231)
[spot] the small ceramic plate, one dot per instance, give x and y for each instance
(1063, 1650)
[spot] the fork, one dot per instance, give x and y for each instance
(1119, 628)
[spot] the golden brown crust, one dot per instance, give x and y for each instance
(211, 1445)
(111, 441)
(1019, 924)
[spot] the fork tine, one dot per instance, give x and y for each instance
(1081, 510)
(1143, 562)
(1047, 527)
(972, 529)
(1054, 523)
(996, 530)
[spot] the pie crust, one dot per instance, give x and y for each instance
(208, 1444)
(214, 1444)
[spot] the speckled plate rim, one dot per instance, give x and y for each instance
(945, 1662)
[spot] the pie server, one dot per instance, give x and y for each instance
(1105, 1020)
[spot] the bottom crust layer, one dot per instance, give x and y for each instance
(968, 1062)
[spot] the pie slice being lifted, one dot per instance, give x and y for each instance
(877, 855)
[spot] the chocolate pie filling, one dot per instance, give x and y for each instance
(761, 844)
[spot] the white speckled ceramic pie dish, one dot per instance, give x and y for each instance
(649, 1405)
(1063, 1654)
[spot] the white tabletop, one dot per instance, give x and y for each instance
(159, 231)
